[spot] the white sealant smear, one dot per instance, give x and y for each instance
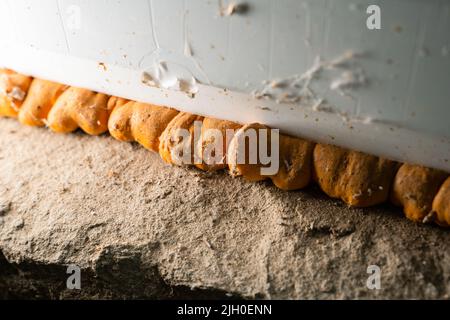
(348, 80)
(173, 70)
(294, 89)
(171, 76)
(297, 88)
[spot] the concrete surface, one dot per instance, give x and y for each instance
(139, 228)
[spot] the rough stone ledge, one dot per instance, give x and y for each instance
(141, 229)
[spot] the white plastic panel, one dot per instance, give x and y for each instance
(401, 110)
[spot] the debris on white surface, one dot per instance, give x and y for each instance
(321, 106)
(293, 89)
(102, 66)
(147, 79)
(367, 120)
(343, 60)
(231, 8)
(318, 105)
(170, 76)
(188, 85)
(297, 88)
(363, 120)
(228, 10)
(311, 73)
(348, 80)
(288, 98)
